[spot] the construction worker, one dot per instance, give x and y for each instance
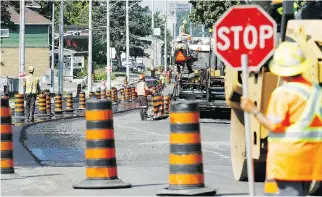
(294, 119)
(183, 29)
(32, 88)
(142, 90)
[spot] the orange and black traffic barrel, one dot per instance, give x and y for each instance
(103, 94)
(126, 83)
(126, 94)
(92, 94)
(82, 101)
(42, 114)
(133, 93)
(19, 109)
(69, 104)
(186, 163)
(6, 138)
(100, 154)
(114, 95)
(166, 104)
(37, 100)
(48, 104)
(109, 94)
(161, 105)
(122, 95)
(156, 104)
(58, 105)
(98, 94)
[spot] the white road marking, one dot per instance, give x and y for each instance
(222, 174)
(140, 130)
(216, 153)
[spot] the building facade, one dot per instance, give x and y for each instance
(37, 47)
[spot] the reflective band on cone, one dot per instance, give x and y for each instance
(101, 170)
(186, 166)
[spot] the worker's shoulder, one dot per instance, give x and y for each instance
(292, 89)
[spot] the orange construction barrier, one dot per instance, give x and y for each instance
(101, 170)
(186, 163)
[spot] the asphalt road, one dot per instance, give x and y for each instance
(142, 157)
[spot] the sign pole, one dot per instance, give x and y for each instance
(248, 136)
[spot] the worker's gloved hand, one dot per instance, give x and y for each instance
(247, 105)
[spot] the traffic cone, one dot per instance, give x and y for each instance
(186, 166)
(6, 144)
(101, 170)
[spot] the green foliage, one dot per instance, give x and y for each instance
(5, 15)
(208, 12)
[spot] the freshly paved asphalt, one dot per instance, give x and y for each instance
(142, 157)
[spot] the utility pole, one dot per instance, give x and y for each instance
(52, 48)
(90, 37)
(22, 45)
(190, 24)
(108, 51)
(153, 41)
(165, 38)
(127, 42)
(61, 48)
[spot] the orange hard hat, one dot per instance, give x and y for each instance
(141, 76)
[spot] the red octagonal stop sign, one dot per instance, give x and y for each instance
(245, 30)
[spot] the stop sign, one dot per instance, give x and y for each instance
(245, 30)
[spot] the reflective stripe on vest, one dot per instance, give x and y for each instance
(31, 84)
(309, 126)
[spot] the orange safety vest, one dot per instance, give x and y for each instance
(296, 154)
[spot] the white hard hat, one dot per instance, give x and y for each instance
(31, 69)
(178, 39)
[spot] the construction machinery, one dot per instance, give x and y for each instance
(206, 83)
(308, 34)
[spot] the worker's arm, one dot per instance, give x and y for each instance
(268, 123)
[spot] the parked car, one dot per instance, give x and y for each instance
(139, 67)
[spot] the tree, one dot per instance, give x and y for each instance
(139, 21)
(208, 12)
(5, 15)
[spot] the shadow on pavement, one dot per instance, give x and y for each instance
(146, 185)
(42, 175)
(233, 194)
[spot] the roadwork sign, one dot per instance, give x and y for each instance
(245, 30)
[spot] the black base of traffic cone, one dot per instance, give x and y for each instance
(205, 191)
(101, 184)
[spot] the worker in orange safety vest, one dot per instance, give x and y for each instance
(294, 118)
